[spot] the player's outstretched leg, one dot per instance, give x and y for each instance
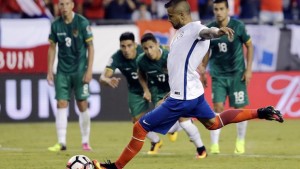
(239, 115)
(269, 113)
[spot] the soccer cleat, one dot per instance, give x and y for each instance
(155, 147)
(269, 113)
(105, 165)
(86, 147)
(239, 147)
(57, 147)
(214, 149)
(173, 136)
(201, 153)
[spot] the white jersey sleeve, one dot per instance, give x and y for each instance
(186, 53)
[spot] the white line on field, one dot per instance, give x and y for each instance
(10, 149)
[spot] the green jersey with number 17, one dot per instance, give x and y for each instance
(156, 71)
(72, 41)
(227, 58)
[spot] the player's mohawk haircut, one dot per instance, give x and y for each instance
(173, 3)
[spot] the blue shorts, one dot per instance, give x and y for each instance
(163, 117)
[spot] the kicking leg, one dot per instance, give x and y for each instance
(239, 115)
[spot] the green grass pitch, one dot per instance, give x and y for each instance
(269, 145)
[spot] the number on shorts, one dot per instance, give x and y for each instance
(239, 97)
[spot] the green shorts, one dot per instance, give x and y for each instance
(232, 87)
(157, 95)
(137, 104)
(65, 84)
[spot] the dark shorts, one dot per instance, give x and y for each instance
(163, 117)
(233, 87)
(65, 84)
(137, 104)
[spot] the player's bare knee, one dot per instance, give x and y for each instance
(62, 104)
(82, 105)
(209, 124)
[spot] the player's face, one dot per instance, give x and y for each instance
(220, 11)
(151, 49)
(128, 48)
(66, 7)
(174, 18)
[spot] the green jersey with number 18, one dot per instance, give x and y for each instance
(227, 57)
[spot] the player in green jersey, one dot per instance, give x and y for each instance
(73, 36)
(125, 60)
(153, 76)
(229, 74)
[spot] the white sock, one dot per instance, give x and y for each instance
(241, 130)
(153, 137)
(175, 127)
(193, 132)
(85, 125)
(214, 136)
(61, 122)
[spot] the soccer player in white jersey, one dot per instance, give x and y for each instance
(186, 99)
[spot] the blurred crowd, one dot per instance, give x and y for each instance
(263, 11)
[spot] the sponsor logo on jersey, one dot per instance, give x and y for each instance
(61, 34)
(177, 93)
(152, 71)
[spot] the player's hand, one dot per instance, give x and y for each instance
(247, 76)
(50, 78)
(147, 96)
(87, 77)
(226, 31)
(114, 82)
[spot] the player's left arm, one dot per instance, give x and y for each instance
(213, 32)
(248, 72)
(89, 72)
(143, 81)
(88, 38)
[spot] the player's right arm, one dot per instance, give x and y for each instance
(108, 79)
(201, 69)
(51, 57)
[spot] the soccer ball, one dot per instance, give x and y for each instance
(80, 162)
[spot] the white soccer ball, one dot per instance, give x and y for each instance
(80, 162)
